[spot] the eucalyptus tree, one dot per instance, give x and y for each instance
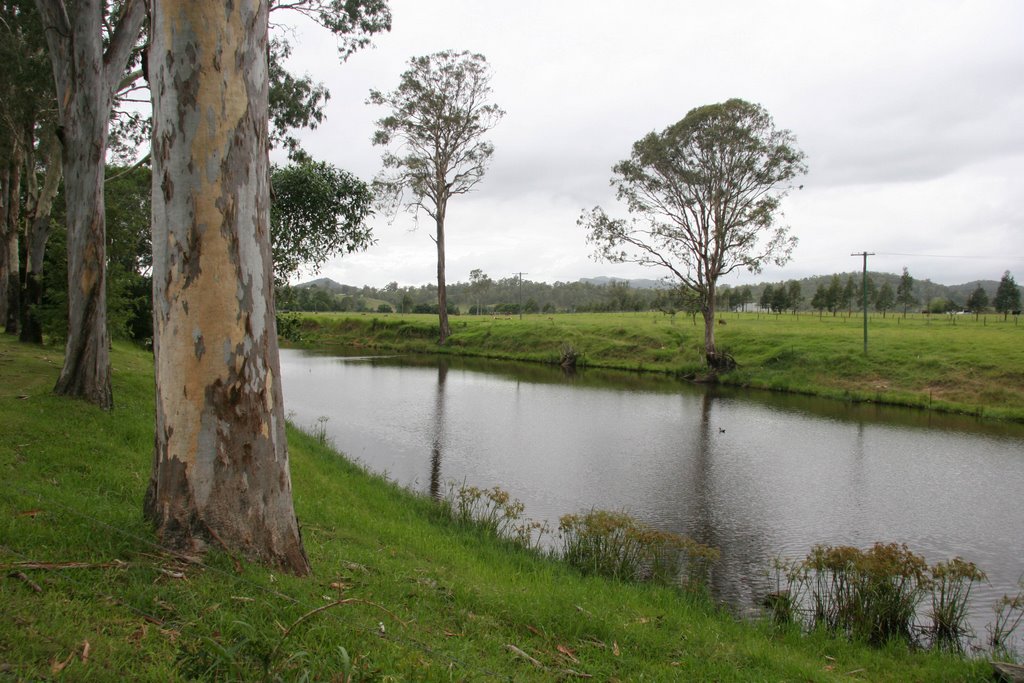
(835, 295)
(885, 299)
(1007, 297)
(794, 295)
(978, 300)
(28, 145)
(90, 45)
(767, 297)
(819, 301)
(704, 195)
(905, 291)
(479, 283)
(850, 291)
(220, 465)
(433, 140)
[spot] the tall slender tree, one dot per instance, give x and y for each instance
(439, 113)
(89, 64)
(220, 465)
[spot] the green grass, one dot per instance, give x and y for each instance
(953, 364)
(406, 593)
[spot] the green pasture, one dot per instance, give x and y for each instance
(951, 363)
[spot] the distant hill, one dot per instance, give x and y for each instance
(327, 284)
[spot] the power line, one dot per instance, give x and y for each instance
(956, 256)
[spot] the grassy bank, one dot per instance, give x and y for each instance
(400, 592)
(954, 364)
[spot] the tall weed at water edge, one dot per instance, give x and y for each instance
(951, 590)
(873, 595)
(1009, 614)
(494, 512)
(615, 545)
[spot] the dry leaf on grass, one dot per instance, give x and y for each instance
(56, 667)
(568, 653)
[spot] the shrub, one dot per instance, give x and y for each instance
(951, 590)
(1009, 615)
(494, 512)
(615, 545)
(873, 595)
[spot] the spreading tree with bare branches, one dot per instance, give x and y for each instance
(704, 195)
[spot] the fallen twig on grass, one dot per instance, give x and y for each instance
(116, 564)
(519, 653)
(347, 601)
(31, 584)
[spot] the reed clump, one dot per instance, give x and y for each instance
(615, 545)
(875, 595)
(1009, 614)
(950, 595)
(494, 512)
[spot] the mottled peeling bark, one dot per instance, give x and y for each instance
(220, 466)
(87, 69)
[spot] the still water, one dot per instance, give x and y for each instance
(756, 475)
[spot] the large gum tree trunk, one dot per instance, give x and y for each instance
(220, 466)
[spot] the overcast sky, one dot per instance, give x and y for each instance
(911, 114)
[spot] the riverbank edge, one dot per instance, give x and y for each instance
(414, 334)
(407, 594)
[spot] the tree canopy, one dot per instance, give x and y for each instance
(704, 195)
(317, 211)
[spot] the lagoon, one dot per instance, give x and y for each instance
(755, 474)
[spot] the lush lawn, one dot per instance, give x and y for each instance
(408, 595)
(956, 363)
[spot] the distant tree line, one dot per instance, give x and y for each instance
(827, 294)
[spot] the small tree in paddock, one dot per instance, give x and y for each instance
(1007, 295)
(819, 301)
(479, 283)
(794, 295)
(704, 195)
(977, 301)
(905, 292)
(885, 299)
